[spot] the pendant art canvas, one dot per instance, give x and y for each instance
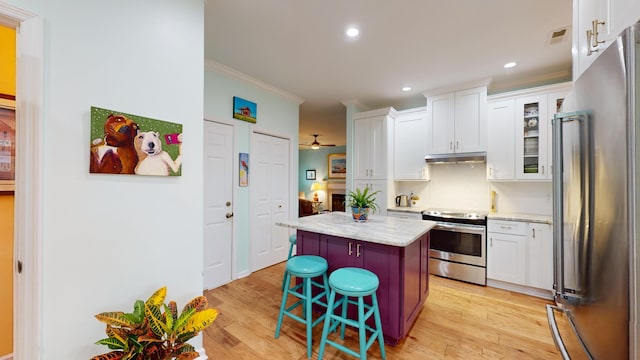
(130, 144)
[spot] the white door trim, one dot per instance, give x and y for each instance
(27, 339)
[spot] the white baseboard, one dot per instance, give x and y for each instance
(244, 274)
(10, 357)
(541, 293)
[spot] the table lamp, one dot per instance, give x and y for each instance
(315, 187)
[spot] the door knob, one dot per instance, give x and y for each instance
(279, 206)
(228, 203)
(229, 215)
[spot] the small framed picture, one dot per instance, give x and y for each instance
(337, 166)
(311, 174)
(244, 170)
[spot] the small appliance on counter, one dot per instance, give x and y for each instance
(403, 200)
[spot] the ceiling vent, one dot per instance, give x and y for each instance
(557, 36)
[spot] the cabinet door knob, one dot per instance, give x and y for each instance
(350, 251)
(534, 233)
(358, 250)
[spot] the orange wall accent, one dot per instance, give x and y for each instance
(7, 61)
(6, 274)
(7, 86)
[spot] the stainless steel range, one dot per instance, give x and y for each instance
(458, 245)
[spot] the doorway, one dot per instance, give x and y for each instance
(270, 187)
(218, 204)
(27, 238)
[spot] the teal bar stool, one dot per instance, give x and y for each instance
(305, 267)
(292, 243)
(353, 283)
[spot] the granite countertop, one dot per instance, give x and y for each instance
(543, 219)
(385, 230)
(409, 209)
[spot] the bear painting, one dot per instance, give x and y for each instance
(129, 144)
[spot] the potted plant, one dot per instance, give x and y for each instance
(155, 330)
(362, 203)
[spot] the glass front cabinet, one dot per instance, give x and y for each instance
(532, 138)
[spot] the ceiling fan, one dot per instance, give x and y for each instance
(315, 145)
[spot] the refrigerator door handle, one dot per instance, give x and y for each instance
(558, 213)
(555, 334)
(562, 293)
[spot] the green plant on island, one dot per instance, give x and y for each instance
(155, 330)
(362, 199)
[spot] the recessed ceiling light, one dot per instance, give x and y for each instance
(406, 88)
(509, 65)
(352, 32)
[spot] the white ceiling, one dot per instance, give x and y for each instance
(299, 47)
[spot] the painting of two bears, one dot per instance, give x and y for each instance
(122, 143)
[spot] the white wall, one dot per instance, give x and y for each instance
(277, 113)
(111, 239)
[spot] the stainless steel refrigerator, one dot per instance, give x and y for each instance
(594, 208)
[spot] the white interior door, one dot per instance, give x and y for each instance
(269, 183)
(218, 204)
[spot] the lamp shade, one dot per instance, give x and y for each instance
(316, 186)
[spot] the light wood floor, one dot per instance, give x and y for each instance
(458, 321)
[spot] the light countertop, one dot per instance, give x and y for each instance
(543, 219)
(385, 230)
(409, 209)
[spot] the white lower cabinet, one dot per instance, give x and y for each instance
(520, 256)
(507, 251)
(405, 214)
(540, 256)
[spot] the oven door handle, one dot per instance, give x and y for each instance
(457, 227)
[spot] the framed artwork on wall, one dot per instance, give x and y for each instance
(244, 170)
(244, 110)
(7, 144)
(123, 143)
(311, 174)
(337, 166)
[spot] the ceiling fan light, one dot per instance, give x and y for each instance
(315, 145)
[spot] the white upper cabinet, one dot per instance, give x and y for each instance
(624, 13)
(526, 114)
(471, 120)
(409, 145)
(591, 35)
(500, 140)
(457, 121)
(370, 144)
(596, 24)
(440, 124)
(531, 138)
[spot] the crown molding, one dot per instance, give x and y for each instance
(457, 87)
(216, 66)
(356, 104)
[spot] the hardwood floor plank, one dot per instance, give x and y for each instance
(458, 321)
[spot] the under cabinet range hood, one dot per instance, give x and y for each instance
(465, 158)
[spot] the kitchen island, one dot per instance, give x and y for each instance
(395, 249)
